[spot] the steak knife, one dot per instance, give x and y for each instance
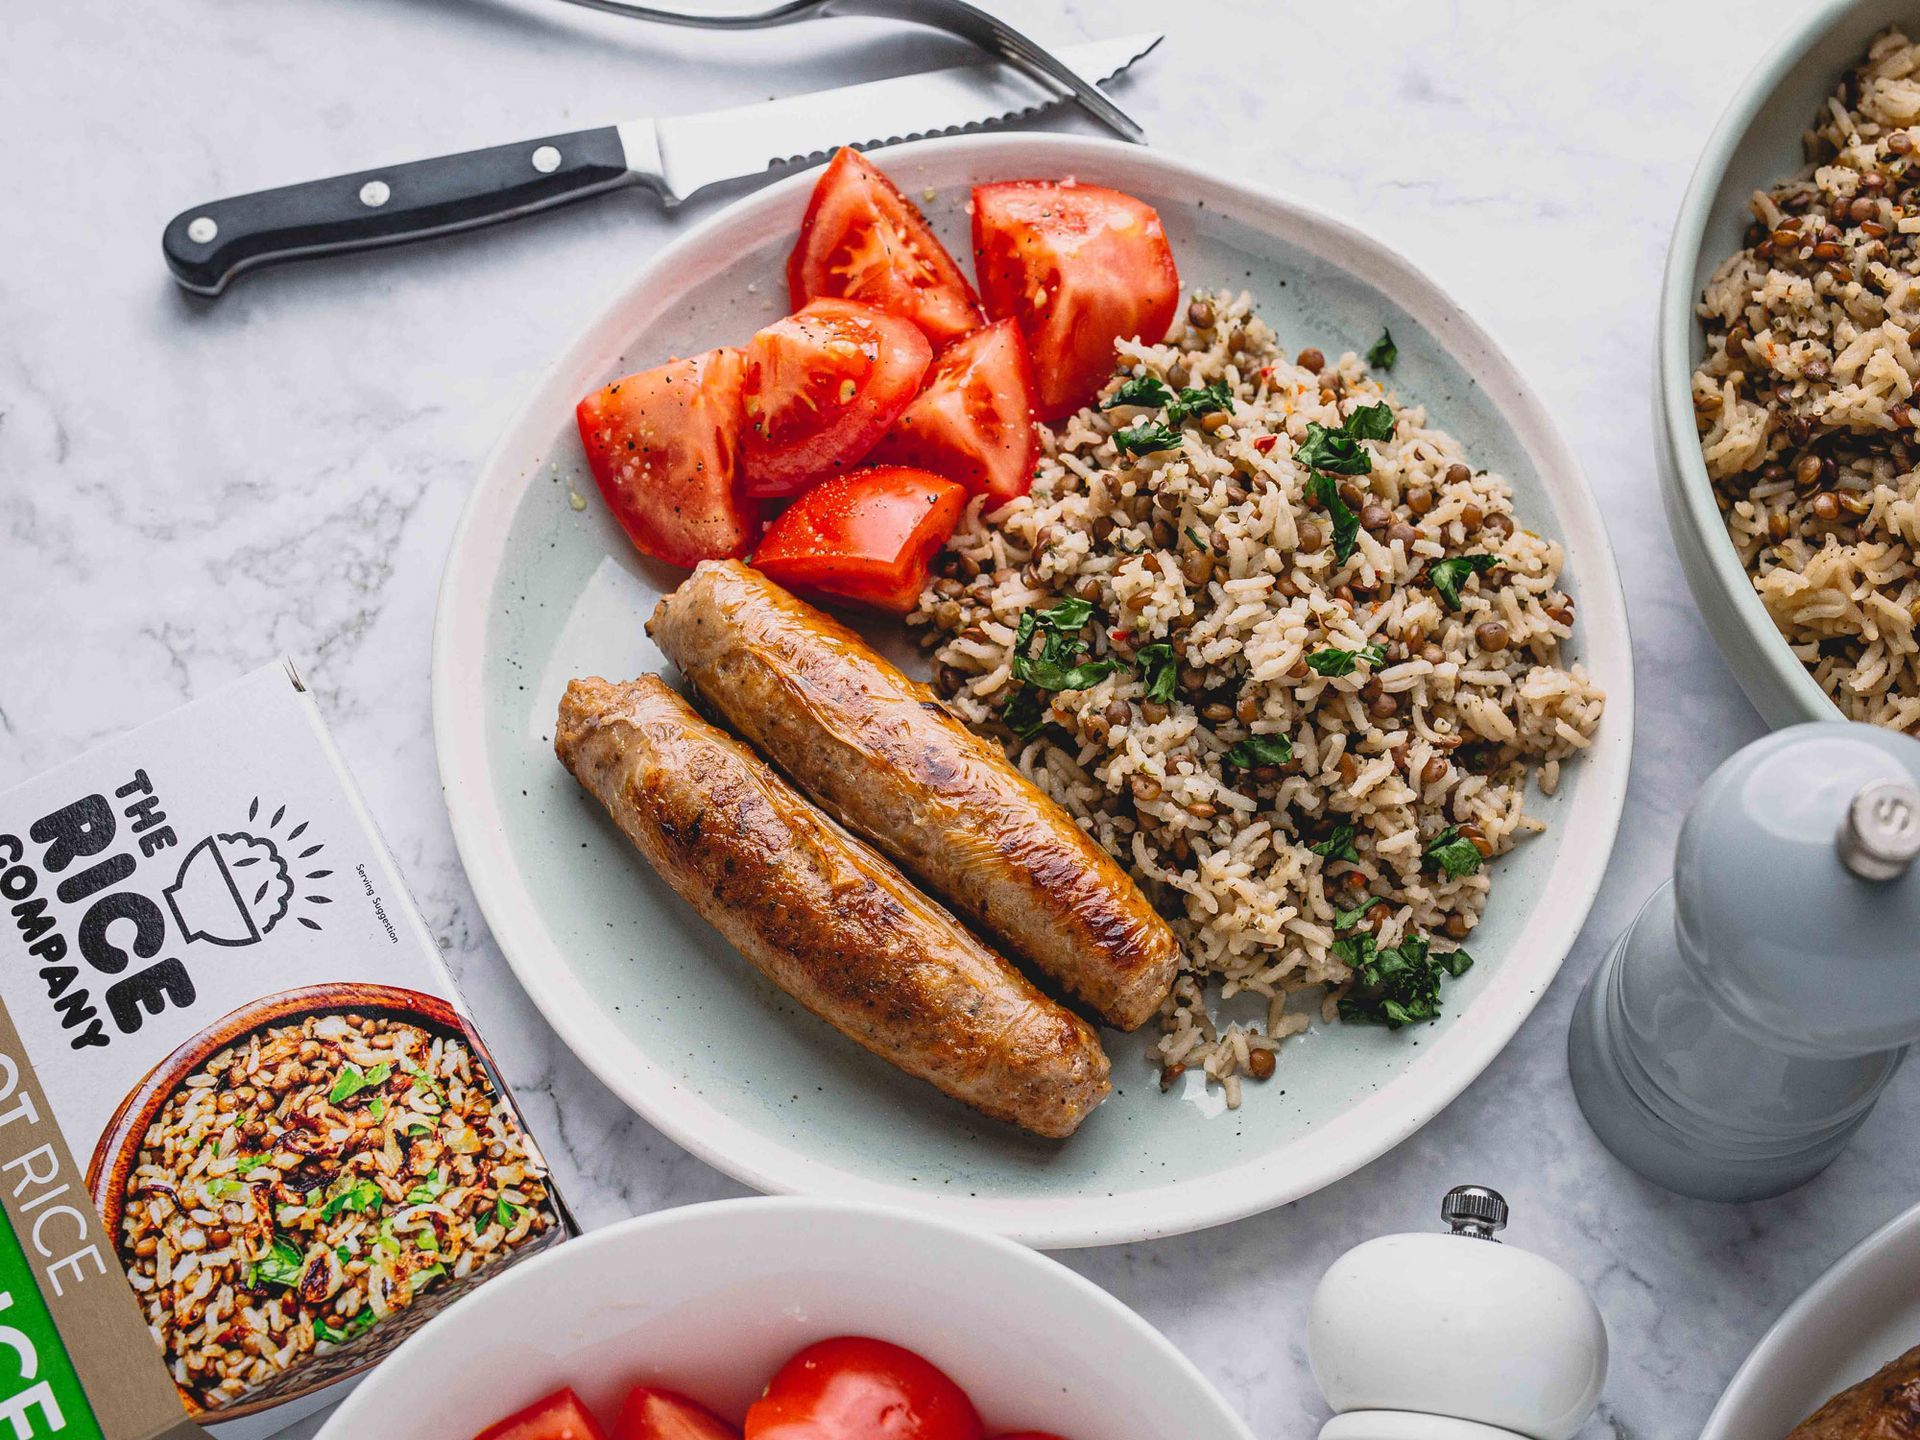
(675, 156)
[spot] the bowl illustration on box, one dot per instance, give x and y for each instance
(233, 889)
(298, 1187)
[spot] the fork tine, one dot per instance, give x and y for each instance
(783, 13)
(990, 33)
(1043, 65)
(956, 17)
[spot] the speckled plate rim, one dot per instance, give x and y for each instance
(1772, 675)
(1807, 1356)
(1367, 1129)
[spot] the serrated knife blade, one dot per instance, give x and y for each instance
(683, 154)
(677, 155)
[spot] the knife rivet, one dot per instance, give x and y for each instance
(546, 159)
(201, 229)
(375, 193)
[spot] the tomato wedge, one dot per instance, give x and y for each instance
(822, 386)
(863, 240)
(973, 420)
(559, 1416)
(653, 1414)
(1079, 267)
(867, 535)
(664, 447)
(858, 1389)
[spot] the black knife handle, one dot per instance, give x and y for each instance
(210, 244)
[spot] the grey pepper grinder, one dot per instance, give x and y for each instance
(1744, 1025)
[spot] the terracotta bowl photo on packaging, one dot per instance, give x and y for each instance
(329, 1163)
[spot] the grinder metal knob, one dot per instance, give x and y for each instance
(1475, 1211)
(1880, 836)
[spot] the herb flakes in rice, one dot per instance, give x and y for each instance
(1303, 660)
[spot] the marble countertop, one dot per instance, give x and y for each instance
(191, 488)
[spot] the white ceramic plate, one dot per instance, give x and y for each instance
(1862, 1313)
(712, 1299)
(677, 1024)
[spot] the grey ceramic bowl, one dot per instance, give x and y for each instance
(1756, 143)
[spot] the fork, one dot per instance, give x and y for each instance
(956, 17)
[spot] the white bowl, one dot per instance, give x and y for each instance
(711, 1299)
(1847, 1324)
(688, 1034)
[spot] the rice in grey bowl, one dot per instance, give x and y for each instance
(1805, 400)
(1288, 656)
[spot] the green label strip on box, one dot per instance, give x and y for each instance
(39, 1392)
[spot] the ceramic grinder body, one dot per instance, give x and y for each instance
(1745, 1024)
(1454, 1337)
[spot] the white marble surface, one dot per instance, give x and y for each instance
(187, 489)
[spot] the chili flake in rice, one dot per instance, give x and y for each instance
(1283, 652)
(312, 1181)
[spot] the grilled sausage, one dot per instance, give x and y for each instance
(886, 759)
(821, 915)
(1884, 1406)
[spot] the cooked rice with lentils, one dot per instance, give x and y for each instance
(1805, 396)
(1214, 549)
(312, 1181)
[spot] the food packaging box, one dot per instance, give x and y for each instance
(248, 1138)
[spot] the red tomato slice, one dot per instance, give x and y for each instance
(1078, 267)
(822, 386)
(858, 1389)
(560, 1416)
(973, 420)
(863, 240)
(664, 447)
(867, 535)
(651, 1414)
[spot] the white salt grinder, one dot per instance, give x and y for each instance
(1454, 1336)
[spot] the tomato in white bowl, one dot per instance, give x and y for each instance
(765, 1317)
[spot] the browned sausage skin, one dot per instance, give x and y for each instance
(1884, 1406)
(824, 917)
(885, 758)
